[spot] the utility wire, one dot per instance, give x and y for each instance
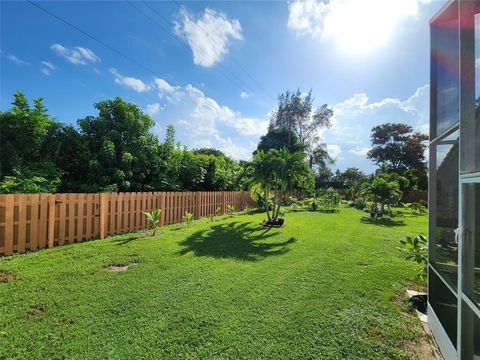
(118, 52)
(104, 44)
(238, 82)
(232, 58)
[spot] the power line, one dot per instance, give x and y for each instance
(233, 59)
(118, 52)
(237, 82)
(226, 73)
(109, 47)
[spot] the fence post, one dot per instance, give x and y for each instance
(224, 202)
(102, 211)
(241, 201)
(51, 220)
(9, 211)
(198, 205)
(162, 207)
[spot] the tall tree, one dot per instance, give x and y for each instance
(22, 134)
(122, 143)
(277, 138)
(397, 148)
(282, 171)
(295, 113)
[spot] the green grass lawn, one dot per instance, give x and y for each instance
(325, 286)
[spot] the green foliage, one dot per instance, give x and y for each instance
(113, 151)
(359, 203)
(325, 200)
(296, 120)
(277, 138)
(23, 131)
(42, 179)
(247, 209)
(187, 218)
(230, 209)
(397, 148)
(416, 249)
(277, 173)
(216, 213)
(416, 207)
(153, 219)
(382, 193)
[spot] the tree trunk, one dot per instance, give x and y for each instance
(266, 206)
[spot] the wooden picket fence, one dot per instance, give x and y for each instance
(414, 196)
(37, 221)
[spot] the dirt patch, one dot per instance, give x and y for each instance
(121, 267)
(424, 348)
(35, 311)
(6, 276)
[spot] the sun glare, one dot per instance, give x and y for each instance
(362, 26)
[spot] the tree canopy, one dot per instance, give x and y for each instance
(397, 148)
(115, 150)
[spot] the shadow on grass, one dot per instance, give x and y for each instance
(243, 241)
(382, 222)
(127, 239)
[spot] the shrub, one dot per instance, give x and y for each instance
(416, 249)
(359, 203)
(416, 207)
(187, 218)
(382, 193)
(230, 209)
(216, 213)
(153, 218)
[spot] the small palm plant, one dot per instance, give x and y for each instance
(153, 218)
(187, 218)
(416, 249)
(230, 209)
(216, 213)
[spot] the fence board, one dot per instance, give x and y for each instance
(9, 209)
(22, 223)
(42, 221)
(33, 234)
(89, 217)
(81, 215)
(36, 221)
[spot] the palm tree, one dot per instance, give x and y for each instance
(280, 172)
(153, 219)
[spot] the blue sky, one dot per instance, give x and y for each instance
(214, 69)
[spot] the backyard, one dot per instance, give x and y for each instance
(327, 285)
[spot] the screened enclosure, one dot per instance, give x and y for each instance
(454, 183)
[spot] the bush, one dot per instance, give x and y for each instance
(359, 203)
(416, 249)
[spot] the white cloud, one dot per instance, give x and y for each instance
(352, 23)
(153, 109)
(356, 116)
(77, 55)
(207, 112)
(47, 68)
(131, 82)
(206, 123)
(359, 151)
(164, 86)
(165, 90)
(244, 95)
(16, 60)
(209, 36)
(335, 151)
